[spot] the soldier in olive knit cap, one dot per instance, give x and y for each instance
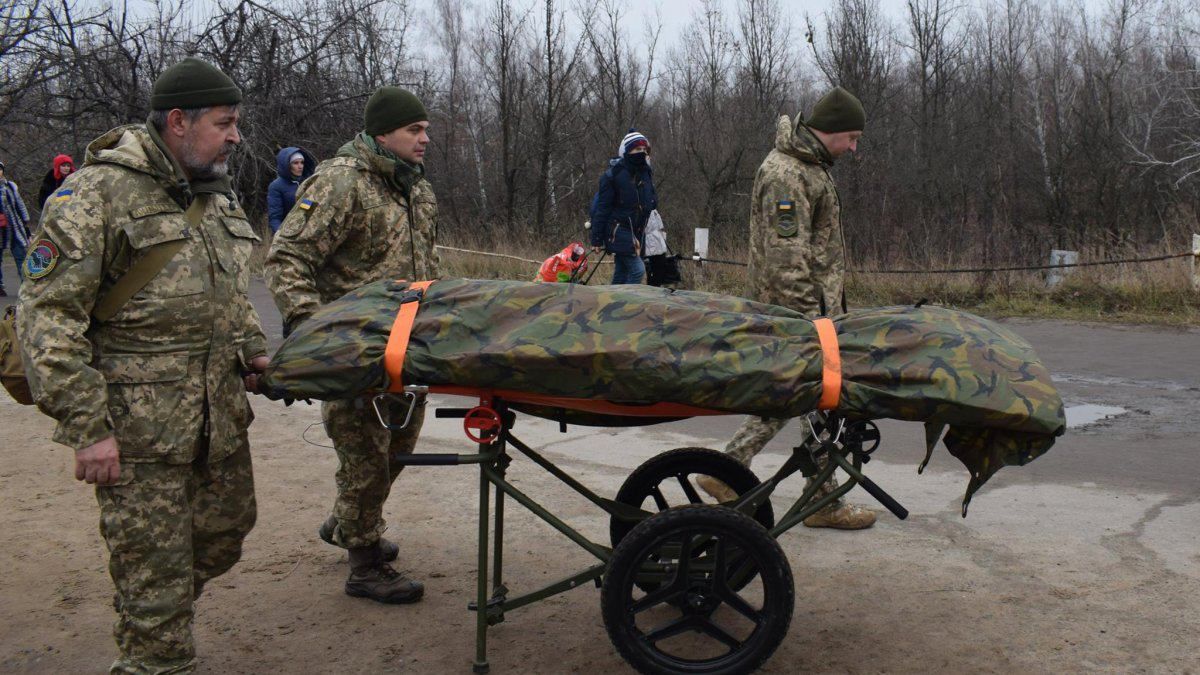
(797, 258)
(146, 385)
(366, 214)
(194, 116)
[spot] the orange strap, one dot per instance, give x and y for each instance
(397, 345)
(831, 373)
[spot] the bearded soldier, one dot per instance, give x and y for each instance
(797, 258)
(366, 214)
(136, 332)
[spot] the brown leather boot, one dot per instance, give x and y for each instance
(717, 489)
(842, 516)
(371, 577)
(390, 549)
(839, 515)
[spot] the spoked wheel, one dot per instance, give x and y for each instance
(697, 618)
(666, 480)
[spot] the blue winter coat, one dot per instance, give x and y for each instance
(281, 193)
(622, 205)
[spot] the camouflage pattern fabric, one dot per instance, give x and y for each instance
(796, 254)
(162, 376)
(366, 466)
(754, 434)
(169, 529)
(640, 345)
(175, 350)
(352, 225)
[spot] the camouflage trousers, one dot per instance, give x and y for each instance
(756, 432)
(169, 529)
(365, 471)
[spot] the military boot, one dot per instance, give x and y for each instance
(371, 577)
(390, 549)
(717, 489)
(839, 515)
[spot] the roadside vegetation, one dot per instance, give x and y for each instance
(1150, 293)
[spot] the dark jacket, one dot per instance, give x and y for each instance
(53, 179)
(622, 205)
(281, 193)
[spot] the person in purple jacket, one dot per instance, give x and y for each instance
(294, 165)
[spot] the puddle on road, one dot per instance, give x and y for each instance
(1083, 415)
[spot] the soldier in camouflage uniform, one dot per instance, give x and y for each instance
(152, 397)
(797, 255)
(366, 214)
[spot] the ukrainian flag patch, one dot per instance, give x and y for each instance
(63, 194)
(307, 204)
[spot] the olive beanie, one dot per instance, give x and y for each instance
(390, 108)
(193, 83)
(837, 111)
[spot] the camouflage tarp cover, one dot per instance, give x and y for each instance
(639, 344)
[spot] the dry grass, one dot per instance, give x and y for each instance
(1154, 293)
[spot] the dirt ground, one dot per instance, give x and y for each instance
(1086, 560)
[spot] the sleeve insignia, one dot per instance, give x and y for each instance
(306, 204)
(41, 259)
(785, 218)
(63, 194)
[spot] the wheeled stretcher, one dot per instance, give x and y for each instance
(685, 586)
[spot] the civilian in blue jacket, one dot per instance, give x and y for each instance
(293, 165)
(621, 207)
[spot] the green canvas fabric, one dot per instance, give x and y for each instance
(642, 345)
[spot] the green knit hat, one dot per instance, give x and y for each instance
(837, 111)
(193, 83)
(391, 108)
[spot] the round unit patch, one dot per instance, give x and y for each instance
(41, 259)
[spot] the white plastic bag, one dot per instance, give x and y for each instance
(656, 235)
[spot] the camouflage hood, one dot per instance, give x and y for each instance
(641, 345)
(398, 174)
(132, 147)
(136, 147)
(796, 140)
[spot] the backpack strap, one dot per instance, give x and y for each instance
(141, 272)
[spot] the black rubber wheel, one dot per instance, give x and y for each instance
(668, 475)
(696, 620)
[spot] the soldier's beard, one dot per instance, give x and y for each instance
(201, 170)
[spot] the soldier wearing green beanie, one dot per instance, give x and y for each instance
(837, 111)
(364, 215)
(136, 330)
(797, 257)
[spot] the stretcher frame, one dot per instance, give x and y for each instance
(490, 425)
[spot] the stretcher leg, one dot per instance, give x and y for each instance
(481, 588)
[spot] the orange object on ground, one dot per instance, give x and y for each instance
(831, 372)
(564, 266)
(397, 344)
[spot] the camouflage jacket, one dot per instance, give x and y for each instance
(350, 227)
(164, 372)
(796, 254)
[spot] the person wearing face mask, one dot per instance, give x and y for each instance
(293, 165)
(622, 204)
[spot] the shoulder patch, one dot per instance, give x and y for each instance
(41, 259)
(785, 218)
(63, 195)
(307, 204)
